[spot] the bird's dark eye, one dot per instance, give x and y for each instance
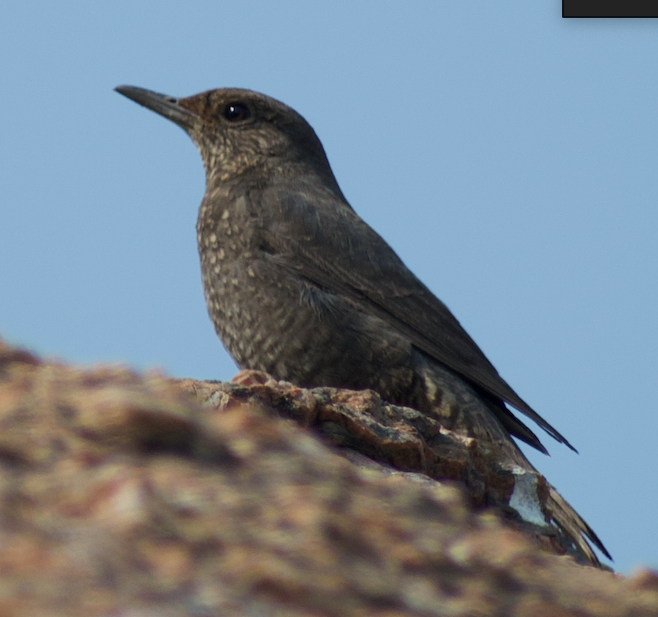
(236, 112)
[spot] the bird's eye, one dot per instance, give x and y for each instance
(236, 112)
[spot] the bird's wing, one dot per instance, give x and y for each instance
(326, 242)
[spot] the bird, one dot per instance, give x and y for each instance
(299, 286)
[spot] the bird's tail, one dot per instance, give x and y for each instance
(461, 408)
(574, 527)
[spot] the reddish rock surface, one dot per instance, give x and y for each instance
(133, 495)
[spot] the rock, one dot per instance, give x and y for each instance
(127, 494)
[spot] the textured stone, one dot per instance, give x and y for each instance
(128, 494)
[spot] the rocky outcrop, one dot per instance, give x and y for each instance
(127, 494)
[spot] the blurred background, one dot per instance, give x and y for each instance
(507, 154)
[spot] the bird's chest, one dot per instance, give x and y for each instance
(261, 311)
(271, 318)
(247, 300)
(227, 270)
(257, 314)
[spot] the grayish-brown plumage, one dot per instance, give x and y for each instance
(299, 286)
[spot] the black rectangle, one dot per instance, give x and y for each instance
(609, 8)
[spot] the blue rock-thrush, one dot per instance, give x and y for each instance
(299, 286)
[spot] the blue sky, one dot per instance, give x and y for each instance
(508, 155)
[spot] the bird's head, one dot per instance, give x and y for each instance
(241, 132)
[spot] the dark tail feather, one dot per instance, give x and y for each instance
(512, 424)
(575, 528)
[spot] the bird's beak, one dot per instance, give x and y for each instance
(166, 106)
